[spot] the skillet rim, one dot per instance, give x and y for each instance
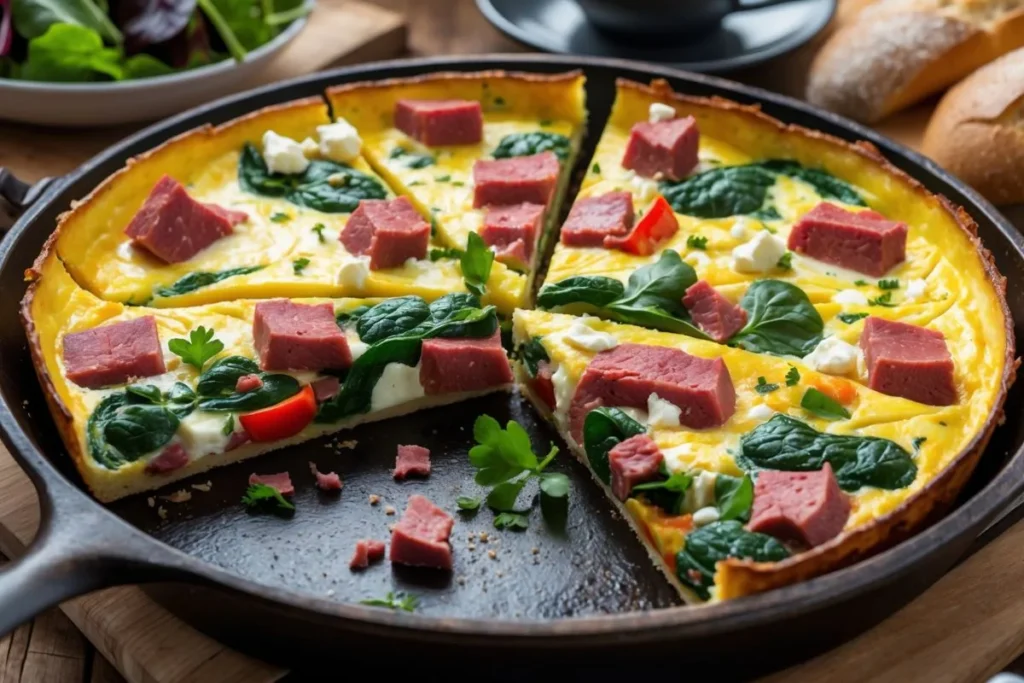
(803, 598)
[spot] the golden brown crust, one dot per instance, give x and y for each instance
(977, 131)
(448, 76)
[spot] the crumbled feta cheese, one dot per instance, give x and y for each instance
(701, 493)
(202, 433)
(339, 141)
(311, 148)
(282, 154)
(635, 413)
(353, 274)
(705, 516)
(661, 413)
(740, 227)
(643, 189)
(563, 389)
(760, 412)
(357, 348)
(760, 254)
(582, 336)
(698, 259)
(915, 289)
(399, 383)
(850, 297)
(660, 112)
(833, 356)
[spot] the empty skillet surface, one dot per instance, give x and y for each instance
(280, 587)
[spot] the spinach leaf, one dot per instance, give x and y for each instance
(734, 496)
(817, 403)
(708, 545)
(720, 192)
(781, 320)
(661, 284)
(411, 159)
(595, 290)
(603, 429)
(825, 184)
(532, 353)
(783, 443)
(669, 493)
(476, 264)
(70, 53)
(525, 144)
(221, 377)
(345, 317)
(448, 306)
(653, 318)
(200, 279)
(324, 185)
(850, 318)
(32, 18)
(122, 430)
(391, 317)
(216, 386)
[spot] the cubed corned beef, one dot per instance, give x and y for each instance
(864, 241)
(114, 353)
(366, 551)
(715, 315)
(174, 227)
(291, 336)
(908, 361)
(171, 458)
(412, 460)
(634, 461)
(326, 388)
(512, 231)
(281, 481)
(542, 385)
(421, 537)
(806, 507)
(628, 374)
(592, 219)
(516, 180)
(237, 439)
(326, 481)
(248, 383)
(666, 148)
(440, 122)
(390, 231)
(463, 364)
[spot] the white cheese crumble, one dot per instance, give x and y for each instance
(915, 289)
(760, 412)
(310, 147)
(339, 141)
(563, 389)
(760, 254)
(398, 383)
(202, 433)
(661, 413)
(658, 112)
(282, 154)
(635, 413)
(582, 336)
(643, 189)
(705, 516)
(701, 493)
(833, 356)
(740, 227)
(357, 348)
(698, 259)
(850, 297)
(353, 274)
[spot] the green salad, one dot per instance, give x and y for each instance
(80, 41)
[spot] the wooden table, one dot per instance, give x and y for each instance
(50, 648)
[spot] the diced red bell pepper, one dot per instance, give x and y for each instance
(282, 420)
(658, 223)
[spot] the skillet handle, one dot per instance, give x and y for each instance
(16, 196)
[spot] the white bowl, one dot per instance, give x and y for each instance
(142, 100)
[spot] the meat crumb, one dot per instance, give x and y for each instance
(161, 512)
(151, 501)
(374, 499)
(389, 510)
(492, 554)
(205, 488)
(391, 527)
(181, 496)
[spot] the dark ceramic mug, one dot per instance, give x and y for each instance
(663, 17)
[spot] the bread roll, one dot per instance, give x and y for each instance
(897, 52)
(977, 131)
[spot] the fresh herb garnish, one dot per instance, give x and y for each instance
(467, 503)
(261, 494)
(763, 387)
(596, 168)
(442, 178)
(697, 242)
(792, 377)
(513, 521)
(229, 426)
(476, 264)
(319, 230)
(200, 347)
(860, 283)
(526, 144)
(817, 403)
(280, 217)
(850, 318)
(396, 601)
(889, 284)
(785, 261)
(299, 265)
(883, 300)
(411, 159)
(446, 252)
(918, 441)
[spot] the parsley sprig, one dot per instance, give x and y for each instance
(198, 348)
(764, 386)
(697, 242)
(505, 461)
(476, 264)
(883, 300)
(299, 265)
(392, 600)
(258, 495)
(792, 377)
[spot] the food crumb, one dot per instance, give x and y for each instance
(151, 501)
(391, 527)
(471, 536)
(484, 537)
(500, 574)
(205, 488)
(374, 499)
(472, 546)
(351, 443)
(492, 554)
(181, 496)
(161, 512)
(535, 550)
(461, 580)
(330, 592)
(389, 510)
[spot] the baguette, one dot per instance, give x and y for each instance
(897, 52)
(977, 131)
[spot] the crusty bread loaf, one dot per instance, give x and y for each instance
(977, 131)
(897, 52)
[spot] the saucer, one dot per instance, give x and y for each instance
(742, 39)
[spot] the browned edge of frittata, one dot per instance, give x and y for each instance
(734, 577)
(61, 415)
(448, 76)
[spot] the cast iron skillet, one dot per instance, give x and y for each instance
(280, 588)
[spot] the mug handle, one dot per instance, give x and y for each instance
(741, 5)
